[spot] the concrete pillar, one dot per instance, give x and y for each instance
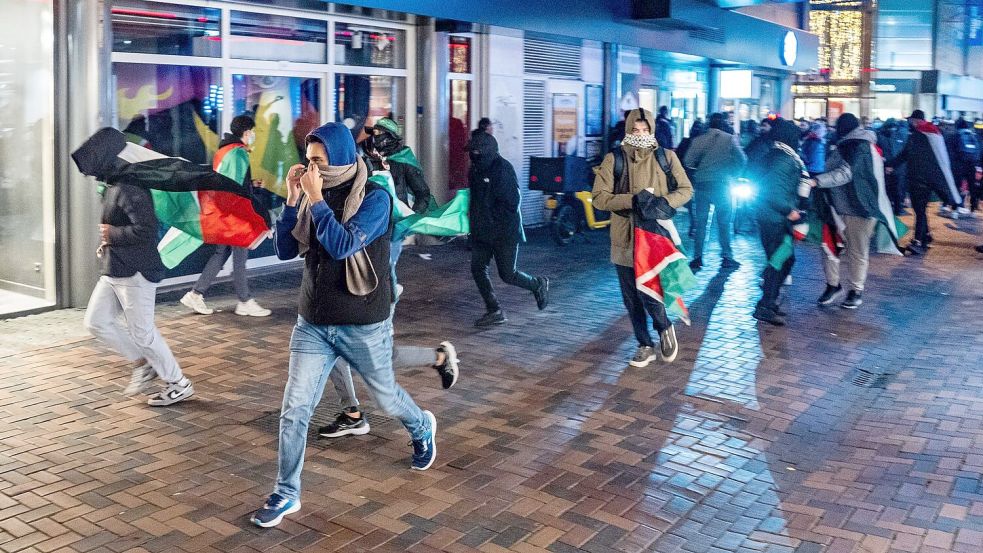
(612, 85)
(83, 104)
(433, 97)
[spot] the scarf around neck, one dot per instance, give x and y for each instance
(642, 141)
(360, 275)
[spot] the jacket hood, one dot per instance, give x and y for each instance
(230, 138)
(482, 148)
(637, 115)
(98, 156)
(818, 130)
(786, 132)
(860, 133)
(338, 142)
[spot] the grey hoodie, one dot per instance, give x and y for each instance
(838, 174)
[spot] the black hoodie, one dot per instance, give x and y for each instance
(494, 208)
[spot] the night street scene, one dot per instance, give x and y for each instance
(595, 276)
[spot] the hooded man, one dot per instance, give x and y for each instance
(779, 175)
(928, 170)
(664, 129)
(496, 227)
(814, 148)
(715, 160)
(231, 160)
(891, 139)
(340, 222)
(620, 177)
(852, 200)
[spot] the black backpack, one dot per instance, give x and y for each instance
(620, 182)
(969, 146)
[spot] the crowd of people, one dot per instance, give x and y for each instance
(844, 183)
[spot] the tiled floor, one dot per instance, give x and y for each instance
(755, 439)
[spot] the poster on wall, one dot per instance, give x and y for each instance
(564, 124)
(594, 110)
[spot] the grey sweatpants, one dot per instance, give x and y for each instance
(121, 314)
(403, 357)
(214, 265)
(857, 234)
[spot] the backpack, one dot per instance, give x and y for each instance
(969, 146)
(619, 170)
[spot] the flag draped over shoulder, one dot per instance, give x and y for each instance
(450, 219)
(661, 270)
(937, 143)
(200, 205)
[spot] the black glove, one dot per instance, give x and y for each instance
(649, 207)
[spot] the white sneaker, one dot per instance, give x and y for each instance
(172, 394)
(140, 380)
(788, 280)
(965, 213)
(252, 309)
(196, 302)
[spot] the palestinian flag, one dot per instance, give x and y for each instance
(405, 156)
(200, 205)
(661, 270)
(937, 143)
(450, 219)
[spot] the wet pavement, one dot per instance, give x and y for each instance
(844, 431)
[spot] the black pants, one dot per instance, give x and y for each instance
(962, 170)
(895, 192)
(920, 197)
(506, 254)
(773, 233)
(638, 304)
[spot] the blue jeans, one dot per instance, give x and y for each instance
(314, 350)
(395, 249)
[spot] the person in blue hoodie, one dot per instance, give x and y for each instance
(814, 148)
(340, 223)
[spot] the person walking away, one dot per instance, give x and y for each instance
(340, 223)
(121, 308)
(850, 191)
(779, 174)
(664, 129)
(636, 166)
(496, 228)
(927, 171)
(715, 160)
(698, 128)
(965, 156)
(231, 160)
(814, 148)
(891, 140)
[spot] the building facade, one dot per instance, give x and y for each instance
(172, 75)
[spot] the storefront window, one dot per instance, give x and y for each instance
(26, 157)
(458, 133)
(286, 109)
(361, 100)
(886, 106)
(171, 109)
(158, 28)
(260, 36)
(365, 46)
(904, 34)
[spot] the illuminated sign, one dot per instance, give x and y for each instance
(736, 84)
(790, 49)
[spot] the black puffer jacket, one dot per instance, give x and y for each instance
(410, 179)
(494, 208)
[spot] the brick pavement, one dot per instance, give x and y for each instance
(755, 439)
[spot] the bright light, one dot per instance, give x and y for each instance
(742, 191)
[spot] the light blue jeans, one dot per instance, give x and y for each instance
(314, 349)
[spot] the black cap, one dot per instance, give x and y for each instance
(241, 124)
(917, 114)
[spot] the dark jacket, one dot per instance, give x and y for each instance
(663, 132)
(715, 159)
(922, 169)
(324, 295)
(409, 178)
(849, 183)
(891, 139)
(777, 174)
(757, 149)
(494, 208)
(132, 244)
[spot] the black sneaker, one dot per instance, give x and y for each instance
(344, 425)
(730, 263)
(668, 344)
(829, 295)
(915, 247)
(852, 301)
(979, 249)
(696, 264)
(491, 318)
(448, 371)
(643, 356)
(769, 316)
(542, 293)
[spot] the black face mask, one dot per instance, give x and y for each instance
(385, 143)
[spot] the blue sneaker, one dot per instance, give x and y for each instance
(425, 450)
(274, 510)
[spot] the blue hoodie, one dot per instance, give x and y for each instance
(340, 240)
